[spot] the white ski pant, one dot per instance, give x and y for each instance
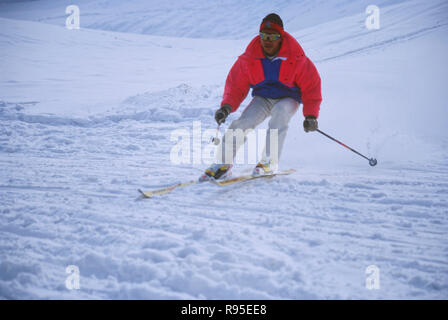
(281, 111)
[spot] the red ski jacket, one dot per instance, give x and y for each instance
(290, 73)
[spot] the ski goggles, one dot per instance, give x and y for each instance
(269, 36)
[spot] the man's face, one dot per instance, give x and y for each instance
(271, 47)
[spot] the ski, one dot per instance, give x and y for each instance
(250, 177)
(162, 191)
(158, 192)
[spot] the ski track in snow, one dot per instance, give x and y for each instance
(68, 195)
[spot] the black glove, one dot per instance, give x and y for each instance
(222, 113)
(310, 123)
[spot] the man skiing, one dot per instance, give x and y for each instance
(281, 77)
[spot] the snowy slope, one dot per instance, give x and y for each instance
(86, 118)
(223, 19)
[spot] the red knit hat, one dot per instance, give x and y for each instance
(272, 21)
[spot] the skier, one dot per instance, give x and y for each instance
(281, 77)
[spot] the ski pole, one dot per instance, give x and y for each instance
(372, 161)
(215, 139)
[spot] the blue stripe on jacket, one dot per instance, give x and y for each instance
(271, 87)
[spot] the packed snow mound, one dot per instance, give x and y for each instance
(179, 104)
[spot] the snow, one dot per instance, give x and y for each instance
(87, 116)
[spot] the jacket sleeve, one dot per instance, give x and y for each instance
(308, 80)
(237, 85)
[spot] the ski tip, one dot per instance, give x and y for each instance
(143, 195)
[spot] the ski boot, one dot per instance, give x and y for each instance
(217, 172)
(262, 169)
